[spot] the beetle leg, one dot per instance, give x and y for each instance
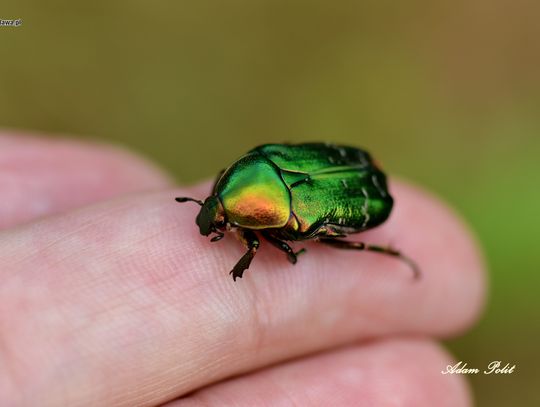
(344, 244)
(281, 245)
(250, 240)
(330, 231)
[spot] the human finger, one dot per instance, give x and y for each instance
(41, 176)
(386, 373)
(126, 295)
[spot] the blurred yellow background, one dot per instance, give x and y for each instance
(445, 93)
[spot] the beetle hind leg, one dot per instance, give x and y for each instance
(292, 256)
(344, 244)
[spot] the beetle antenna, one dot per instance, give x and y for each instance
(186, 199)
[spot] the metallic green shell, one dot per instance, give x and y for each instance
(253, 194)
(333, 189)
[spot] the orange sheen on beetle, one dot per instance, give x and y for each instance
(256, 197)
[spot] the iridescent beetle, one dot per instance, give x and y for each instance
(291, 192)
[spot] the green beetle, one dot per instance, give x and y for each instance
(291, 192)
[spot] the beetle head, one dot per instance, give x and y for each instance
(211, 217)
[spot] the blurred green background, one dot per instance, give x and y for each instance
(444, 93)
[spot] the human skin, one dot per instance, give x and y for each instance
(109, 296)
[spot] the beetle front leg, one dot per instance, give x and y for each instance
(250, 240)
(281, 245)
(344, 244)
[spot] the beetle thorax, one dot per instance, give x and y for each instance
(254, 195)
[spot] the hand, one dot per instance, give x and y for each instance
(122, 302)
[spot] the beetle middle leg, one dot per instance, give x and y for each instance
(344, 244)
(250, 240)
(281, 245)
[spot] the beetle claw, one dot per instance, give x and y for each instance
(292, 258)
(243, 264)
(236, 273)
